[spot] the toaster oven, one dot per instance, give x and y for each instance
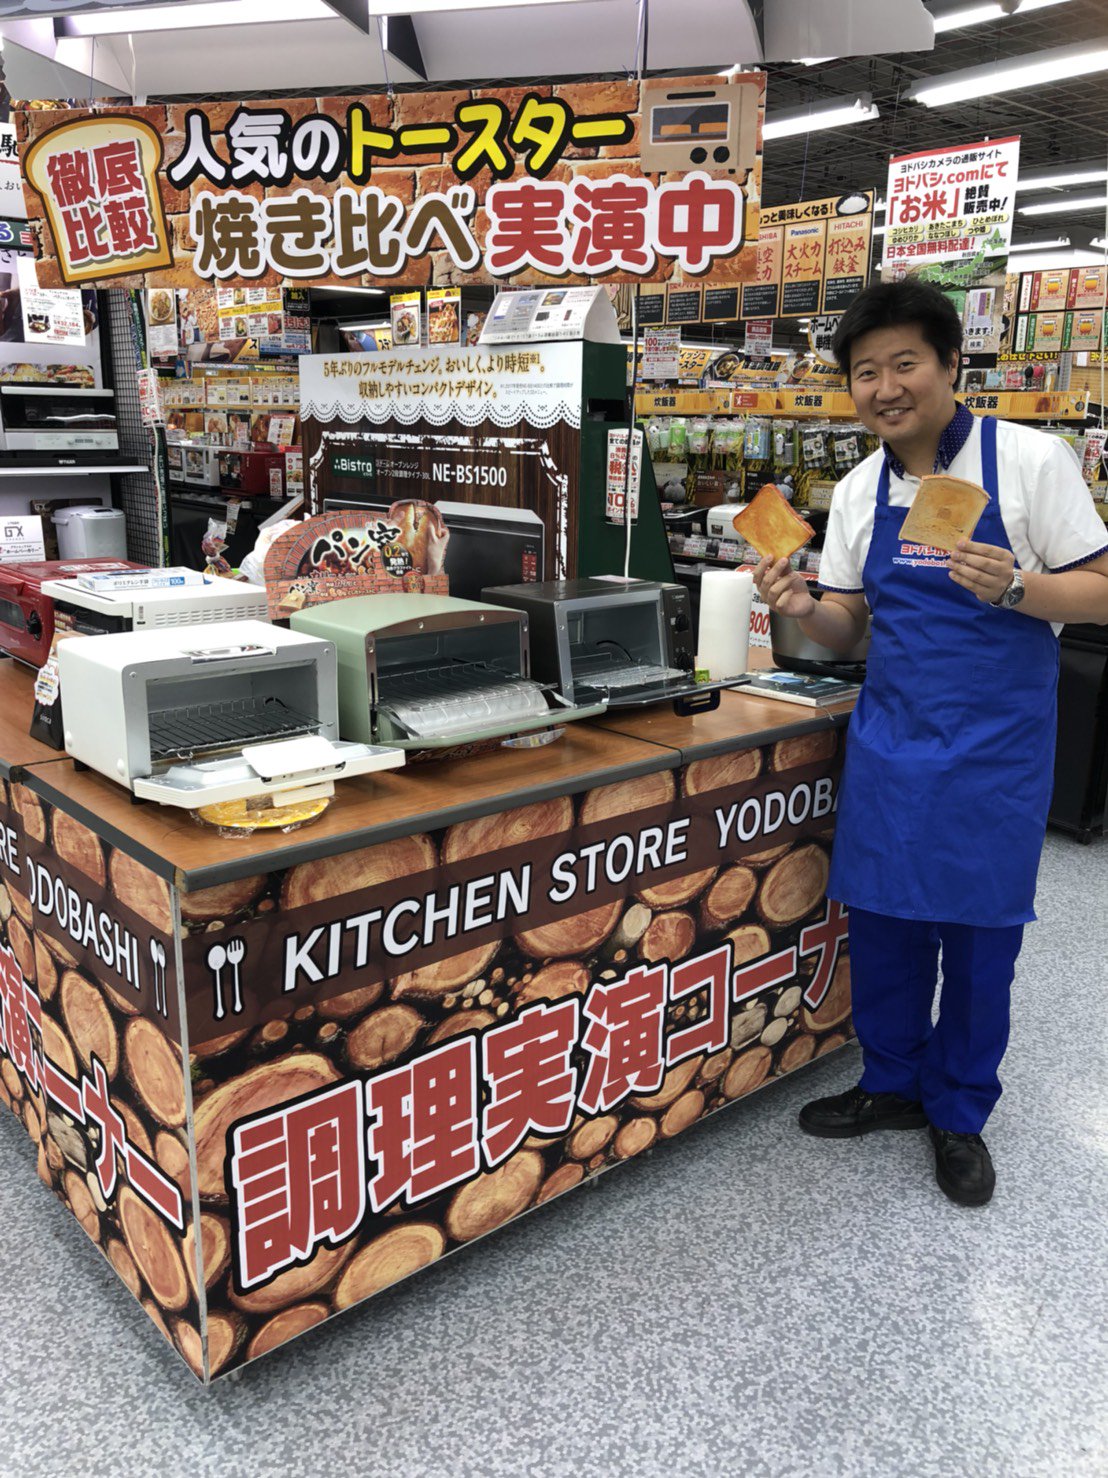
(238, 711)
(252, 474)
(27, 611)
(434, 673)
(58, 418)
(97, 613)
(629, 642)
(197, 466)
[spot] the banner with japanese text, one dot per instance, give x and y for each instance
(658, 180)
(812, 257)
(949, 222)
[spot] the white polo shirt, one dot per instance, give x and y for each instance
(1047, 510)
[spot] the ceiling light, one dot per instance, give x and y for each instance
(424, 7)
(369, 292)
(195, 17)
(1018, 246)
(1055, 179)
(879, 230)
(827, 115)
(958, 16)
(1062, 203)
(1099, 241)
(1037, 68)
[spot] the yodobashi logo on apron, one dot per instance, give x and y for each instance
(924, 555)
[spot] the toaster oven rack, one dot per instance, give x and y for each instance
(602, 670)
(200, 728)
(459, 695)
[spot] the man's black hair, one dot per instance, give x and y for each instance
(888, 304)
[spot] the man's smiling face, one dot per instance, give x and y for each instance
(900, 387)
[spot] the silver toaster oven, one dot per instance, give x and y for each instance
(626, 642)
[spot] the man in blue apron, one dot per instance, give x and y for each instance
(948, 774)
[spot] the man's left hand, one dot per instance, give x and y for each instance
(984, 569)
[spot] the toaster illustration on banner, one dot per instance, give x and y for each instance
(433, 673)
(229, 712)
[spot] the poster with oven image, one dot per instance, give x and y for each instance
(513, 426)
(91, 1060)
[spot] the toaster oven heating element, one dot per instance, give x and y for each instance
(204, 728)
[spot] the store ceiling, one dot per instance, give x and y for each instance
(1056, 124)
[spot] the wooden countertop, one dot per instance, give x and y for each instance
(741, 721)
(379, 808)
(17, 699)
(366, 810)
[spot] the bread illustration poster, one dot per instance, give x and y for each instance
(357, 552)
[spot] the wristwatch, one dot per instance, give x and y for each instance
(1008, 599)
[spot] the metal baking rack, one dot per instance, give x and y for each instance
(444, 698)
(201, 728)
(600, 670)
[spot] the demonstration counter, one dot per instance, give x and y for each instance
(272, 1076)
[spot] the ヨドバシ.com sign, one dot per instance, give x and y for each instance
(657, 181)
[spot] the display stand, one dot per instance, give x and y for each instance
(271, 1077)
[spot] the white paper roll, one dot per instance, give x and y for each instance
(725, 599)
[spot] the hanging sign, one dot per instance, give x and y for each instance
(812, 257)
(759, 337)
(949, 222)
(622, 489)
(467, 181)
(661, 352)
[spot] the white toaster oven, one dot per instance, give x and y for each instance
(103, 612)
(235, 711)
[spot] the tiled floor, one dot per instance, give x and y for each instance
(745, 1301)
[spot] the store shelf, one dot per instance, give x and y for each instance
(798, 403)
(65, 390)
(81, 471)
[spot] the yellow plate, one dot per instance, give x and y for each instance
(238, 816)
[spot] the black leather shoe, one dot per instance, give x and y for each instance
(963, 1167)
(858, 1112)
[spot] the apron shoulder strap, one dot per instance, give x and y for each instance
(988, 455)
(883, 484)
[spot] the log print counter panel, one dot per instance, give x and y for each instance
(91, 1060)
(305, 1038)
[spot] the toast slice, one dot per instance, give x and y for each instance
(771, 525)
(944, 510)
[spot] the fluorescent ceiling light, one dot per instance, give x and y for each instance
(1051, 261)
(1058, 241)
(368, 292)
(1056, 179)
(827, 115)
(357, 328)
(879, 230)
(196, 17)
(427, 7)
(1063, 203)
(1040, 68)
(959, 16)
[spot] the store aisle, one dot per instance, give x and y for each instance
(746, 1300)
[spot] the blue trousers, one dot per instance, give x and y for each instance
(950, 1067)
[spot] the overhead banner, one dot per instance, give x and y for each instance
(949, 222)
(616, 181)
(812, 257)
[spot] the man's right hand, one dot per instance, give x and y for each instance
(784, 589)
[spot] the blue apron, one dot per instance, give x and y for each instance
(950, 754)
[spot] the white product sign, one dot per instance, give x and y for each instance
(551, 313)
(759, 336)
(759, 623)
(661, 351)
(52, 316)
(617, 475)
(950, 205)
(540, 387)
(13, 206)
(21, 538)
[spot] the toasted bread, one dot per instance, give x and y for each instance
(771, 525)
(944, 510)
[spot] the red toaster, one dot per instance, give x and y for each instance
(26, 615)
